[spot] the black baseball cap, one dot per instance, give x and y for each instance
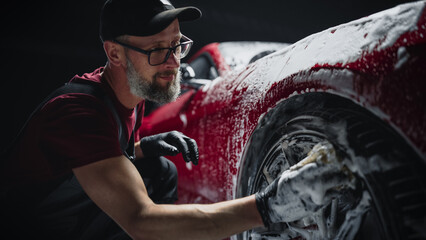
(141, 17)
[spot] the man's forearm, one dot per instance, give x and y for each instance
(197, 221)
(116, 186)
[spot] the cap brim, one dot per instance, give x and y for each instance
(183, 14)
(164, 19)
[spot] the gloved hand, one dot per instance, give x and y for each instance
(305, 188)
(170, 144)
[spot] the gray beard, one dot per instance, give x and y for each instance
(152, 91)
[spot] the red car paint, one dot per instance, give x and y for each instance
(379, 66)
(213, 51)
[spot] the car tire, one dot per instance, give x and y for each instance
(389, 201)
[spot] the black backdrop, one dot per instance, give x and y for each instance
(45, 43)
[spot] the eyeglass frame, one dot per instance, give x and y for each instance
(148, 52)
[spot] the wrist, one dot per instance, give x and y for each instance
(138, 150)
(262, 202)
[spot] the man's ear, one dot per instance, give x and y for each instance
(115, 53)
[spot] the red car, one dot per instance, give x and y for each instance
(360, 86)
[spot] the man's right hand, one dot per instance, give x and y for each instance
(305, 188)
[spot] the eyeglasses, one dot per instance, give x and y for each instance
(159, 56)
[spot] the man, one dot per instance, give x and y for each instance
(69, 177)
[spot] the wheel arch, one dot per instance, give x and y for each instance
(293, 104)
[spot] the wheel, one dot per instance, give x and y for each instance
(389, 200)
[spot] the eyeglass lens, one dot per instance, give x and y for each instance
(160, 56)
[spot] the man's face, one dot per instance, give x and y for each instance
(156, 83)
(150, 88)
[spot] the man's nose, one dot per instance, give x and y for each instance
(173, 60)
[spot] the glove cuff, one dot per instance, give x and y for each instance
(145, 147)
(262, 202)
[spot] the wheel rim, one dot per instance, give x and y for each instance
(339, 220)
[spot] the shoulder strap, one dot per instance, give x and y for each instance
(91, 89)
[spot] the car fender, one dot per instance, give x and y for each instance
(375, 61)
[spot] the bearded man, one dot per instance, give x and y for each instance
(78, 170)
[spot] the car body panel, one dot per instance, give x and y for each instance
(378, 62)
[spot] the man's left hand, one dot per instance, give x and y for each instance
(170, 144)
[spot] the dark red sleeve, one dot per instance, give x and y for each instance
(78, 130)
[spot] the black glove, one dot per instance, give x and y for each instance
(170, 144)
(262, 203)
(305, 188)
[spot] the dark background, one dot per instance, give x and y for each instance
(45, 43)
